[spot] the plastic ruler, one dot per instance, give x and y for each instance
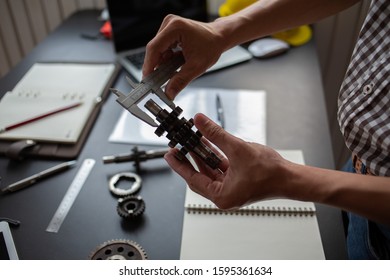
(70, 196)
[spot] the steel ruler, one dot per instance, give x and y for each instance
(70, 196)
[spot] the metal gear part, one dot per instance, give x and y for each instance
(135, 186)
(119, 249)
(179, 131)
(130, 207)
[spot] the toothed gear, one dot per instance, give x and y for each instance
(179, 131)
(130, 207)
(119, 249)
(125, 176)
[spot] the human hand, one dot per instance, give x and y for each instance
(199, 42)
(250, 172)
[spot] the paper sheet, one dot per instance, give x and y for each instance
(273, 229)
(51, 86)
(244, 111)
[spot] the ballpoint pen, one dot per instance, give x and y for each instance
(36, 177)
(220, 112)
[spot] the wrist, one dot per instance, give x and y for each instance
(230, 30)
(309, 183)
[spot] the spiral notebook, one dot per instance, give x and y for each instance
(272, 229)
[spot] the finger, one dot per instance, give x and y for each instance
(183, 167)
(157, 48)
(204, 168)
(216, 134)
(166, 21)
(224, 165)
(152, 59)
(154, 56)
(197, 181)
(181, 79)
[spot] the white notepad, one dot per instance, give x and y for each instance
(244, 111)
(50, 86)
(271, 229)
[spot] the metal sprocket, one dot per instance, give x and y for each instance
(119, 249)
(130, 207)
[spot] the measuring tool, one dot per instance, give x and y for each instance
(70, 196)
(179, 131)
(151, 83)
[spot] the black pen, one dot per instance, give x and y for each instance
(36, 177)
(220, 112)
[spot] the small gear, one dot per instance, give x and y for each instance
(130, 207)
(119, 249)
(136, 185)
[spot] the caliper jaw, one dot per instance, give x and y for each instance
(150, 84)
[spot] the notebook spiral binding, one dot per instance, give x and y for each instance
(251, 210)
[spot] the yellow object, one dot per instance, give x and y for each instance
(296, 36)
(233, 6)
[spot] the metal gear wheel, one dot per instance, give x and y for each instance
(130, 207)
(119, 249)
(125, 176)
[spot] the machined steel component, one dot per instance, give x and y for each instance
(137, 156)
(179, 131)
(130, 207)
(136, 185)
(119, 249)
(150, 84)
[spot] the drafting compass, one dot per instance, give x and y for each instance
(179, 131)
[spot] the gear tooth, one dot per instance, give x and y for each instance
(138, 207)
(159, 131)
(123, 249)
(172, 143)
(177, 111)
(180, 131)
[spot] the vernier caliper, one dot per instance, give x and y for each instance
(179, 131)
(152, 83)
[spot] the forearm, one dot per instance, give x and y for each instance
(365, 195)
(269, 16)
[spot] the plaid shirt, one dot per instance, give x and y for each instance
(364, 99)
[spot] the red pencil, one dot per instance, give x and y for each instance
(33, 119)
